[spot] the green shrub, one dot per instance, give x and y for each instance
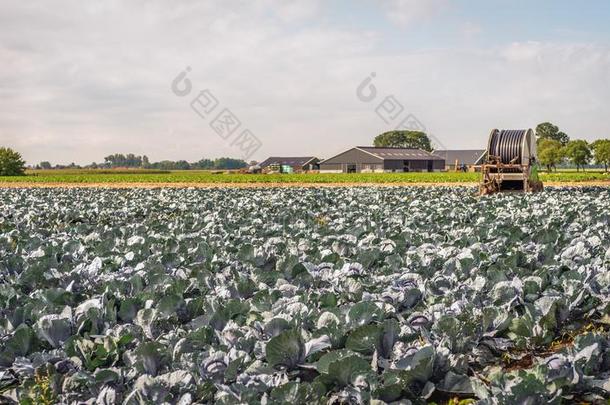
(11, 163)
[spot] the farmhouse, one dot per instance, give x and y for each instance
(289, 164)
(363, 159)
(471, 159)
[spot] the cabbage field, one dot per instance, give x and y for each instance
(293, 295)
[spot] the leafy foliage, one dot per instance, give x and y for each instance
(286, 350)
(330, 295)
(132, 161)
(601, 152)
(404, 139)
(550, 153)
(546, 130)
(194, 177)
(578, 152)
(11, 163)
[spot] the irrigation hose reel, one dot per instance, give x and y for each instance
(510, 162)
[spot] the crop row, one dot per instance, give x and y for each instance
(332, 295)
(209, 177)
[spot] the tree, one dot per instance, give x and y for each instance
(164, 165)
(11, 163)
(131, 160)
(229, 163)
(182, 165)
(120, 160)
(404, 139)
(546, 130)
(45, 165)
(203, 164)
(601, 152)
(550, 153)
(579, 153)
(116, 160)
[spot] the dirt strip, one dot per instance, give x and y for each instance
(263, 185)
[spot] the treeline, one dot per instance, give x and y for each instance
(404, 139)
(131, 161)
(555, 148)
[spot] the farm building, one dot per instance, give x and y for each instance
(289, 164)
(367, 159)
(470, 159)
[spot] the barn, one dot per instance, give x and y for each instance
(370, 159)
(276, 164)
(469, 159)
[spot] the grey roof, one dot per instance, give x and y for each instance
(464, 157)
(400, 153)
(290, 161)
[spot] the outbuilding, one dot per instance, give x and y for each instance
(467, 159)
(371, 159)
(276, 164)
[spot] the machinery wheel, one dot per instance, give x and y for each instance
(536, 186)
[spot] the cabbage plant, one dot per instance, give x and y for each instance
(304, 296)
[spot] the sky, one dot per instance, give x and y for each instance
(82, 80)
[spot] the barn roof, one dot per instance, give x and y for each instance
(399, 153)
(464, 157)
(291, 161)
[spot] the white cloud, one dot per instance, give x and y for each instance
(405, 12)
(524, 51)
(83, 81)
(295, 10)
(470, 29)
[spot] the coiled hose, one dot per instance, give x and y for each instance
(506, 145)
